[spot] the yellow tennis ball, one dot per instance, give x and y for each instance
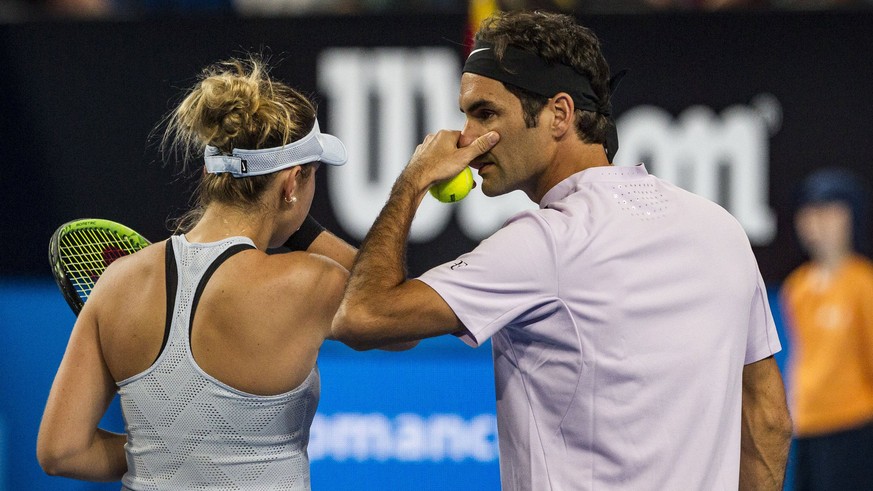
(455, 189)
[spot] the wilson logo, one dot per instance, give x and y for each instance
(384, 100)
(724, 157)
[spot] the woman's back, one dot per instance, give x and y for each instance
(241, 333)
(178, 410)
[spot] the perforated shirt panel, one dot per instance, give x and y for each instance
(189, 431)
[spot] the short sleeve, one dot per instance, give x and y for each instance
(763, 339)
(502, 281)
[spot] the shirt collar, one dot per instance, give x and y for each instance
(601, 173)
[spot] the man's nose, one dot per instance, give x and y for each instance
(469, 134)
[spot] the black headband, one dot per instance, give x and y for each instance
(530, 72)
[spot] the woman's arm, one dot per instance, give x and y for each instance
(312, 237)
(328, 244)
(70, 444)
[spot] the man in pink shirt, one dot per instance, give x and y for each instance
(631, 331)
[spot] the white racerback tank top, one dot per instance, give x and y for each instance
(189, 431)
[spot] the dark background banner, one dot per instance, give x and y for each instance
(737, 107)
(79, 101)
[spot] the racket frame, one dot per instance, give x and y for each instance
(131, 241)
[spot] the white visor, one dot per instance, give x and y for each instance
(314, 147)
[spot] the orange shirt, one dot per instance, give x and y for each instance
(830, 322)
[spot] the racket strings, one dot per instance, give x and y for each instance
(86, 253)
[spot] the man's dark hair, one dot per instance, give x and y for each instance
(556, 38)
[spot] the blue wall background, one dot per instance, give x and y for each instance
(436, 401)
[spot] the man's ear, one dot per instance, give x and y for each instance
(565, 114)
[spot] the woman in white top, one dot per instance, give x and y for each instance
(210, 341)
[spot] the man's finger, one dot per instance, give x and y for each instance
(484, 143)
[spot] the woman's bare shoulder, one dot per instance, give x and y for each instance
(305, 267)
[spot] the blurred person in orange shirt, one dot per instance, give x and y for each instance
(828, 306)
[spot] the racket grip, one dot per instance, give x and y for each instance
(305, 235)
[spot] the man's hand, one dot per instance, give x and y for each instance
(439, 158)
(380, 306)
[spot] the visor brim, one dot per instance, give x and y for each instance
(333, 152)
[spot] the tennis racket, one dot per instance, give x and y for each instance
(80, 250)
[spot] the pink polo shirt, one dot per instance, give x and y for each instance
(621, 314)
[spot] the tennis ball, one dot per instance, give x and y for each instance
(455, 189)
